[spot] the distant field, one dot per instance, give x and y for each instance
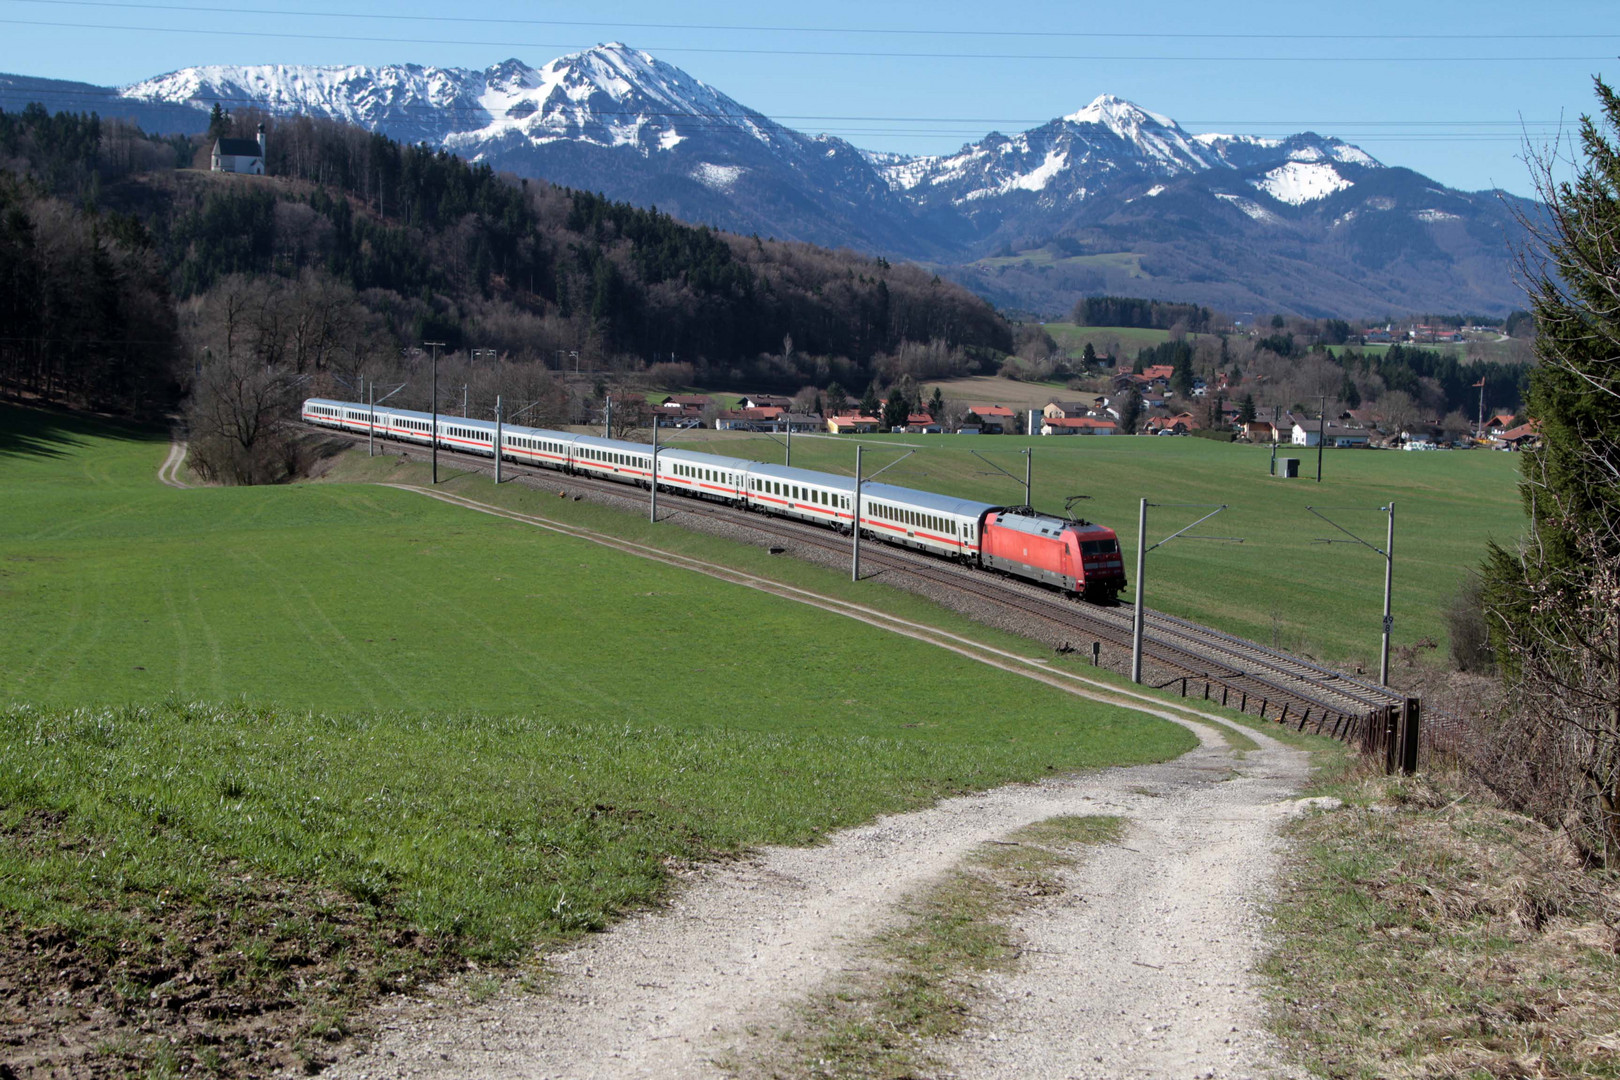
(1503, 351)
(1276, 586)
(994, 390)
(1128, 261)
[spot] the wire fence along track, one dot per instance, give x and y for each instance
(1199, 660)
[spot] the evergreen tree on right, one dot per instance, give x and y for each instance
(1571, 484)
(1552, 602)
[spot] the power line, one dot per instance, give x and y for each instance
(781, 29)
(1410, 130)
(860, 53)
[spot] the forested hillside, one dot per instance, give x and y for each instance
(355, 247)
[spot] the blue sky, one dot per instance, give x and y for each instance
(1449, 89)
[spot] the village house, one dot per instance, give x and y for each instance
(921, 424)
(1260, 431)
(1526, 436)
(1309, 432)
(1181, 424)
(765, 401)
(1068, 410)
(993, 419)
(852, 424)
(747, 419)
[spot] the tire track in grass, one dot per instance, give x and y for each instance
(529, 661)
(181, 653)
(279, 582)
(69, 621)
(216, 681)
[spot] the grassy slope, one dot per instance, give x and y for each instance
(401, 619)
(1277, 585)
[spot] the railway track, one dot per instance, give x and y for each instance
(1203, 661)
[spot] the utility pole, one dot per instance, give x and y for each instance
(464, 401)
(855, 558)
(1389, 580)
(433, 435)
(789, 422)
(1479, 426)
(607, 416)
(1274, 420)
(1388, 552)
(652, 512)
(1029, 467)
(855, 548)
(371, 435)
(1136, 608)
(1321, 439)
(500, 439)
(1138, 615)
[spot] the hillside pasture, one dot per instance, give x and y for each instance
(1279, 585)
(268, 752)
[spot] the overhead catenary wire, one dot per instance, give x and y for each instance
(907, 31)
(1513, 131)
(977, 57)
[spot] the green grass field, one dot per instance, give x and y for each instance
(425, 725)
(1130, 338)
(1128, 261)
(1277, 585)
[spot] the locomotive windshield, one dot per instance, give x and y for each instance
(1099, 547)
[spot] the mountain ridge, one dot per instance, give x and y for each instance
(1093, 182)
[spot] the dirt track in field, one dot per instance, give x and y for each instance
(1142, 968)
(169, 472)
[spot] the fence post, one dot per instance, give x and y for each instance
(1392, 740)
(1410, 717)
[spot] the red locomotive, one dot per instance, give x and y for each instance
(1075, 556)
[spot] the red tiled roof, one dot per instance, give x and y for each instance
(990, 410)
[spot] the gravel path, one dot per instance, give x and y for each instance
(1142, 968)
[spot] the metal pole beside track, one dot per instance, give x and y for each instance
(433, 435)
(1029, 464)
(652, 514)
(1389, 577)
(371, 427)
(789, 460)
(855, 559)
(497, 440)
(1321, 438)
(1136, 614)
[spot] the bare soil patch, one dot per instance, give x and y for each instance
(257, 975)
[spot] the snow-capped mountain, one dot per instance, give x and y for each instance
(1183, 212)
(1112, 142)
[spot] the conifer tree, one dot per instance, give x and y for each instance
(1553, 603)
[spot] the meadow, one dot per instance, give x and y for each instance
(385, 737)
(1279, 584)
